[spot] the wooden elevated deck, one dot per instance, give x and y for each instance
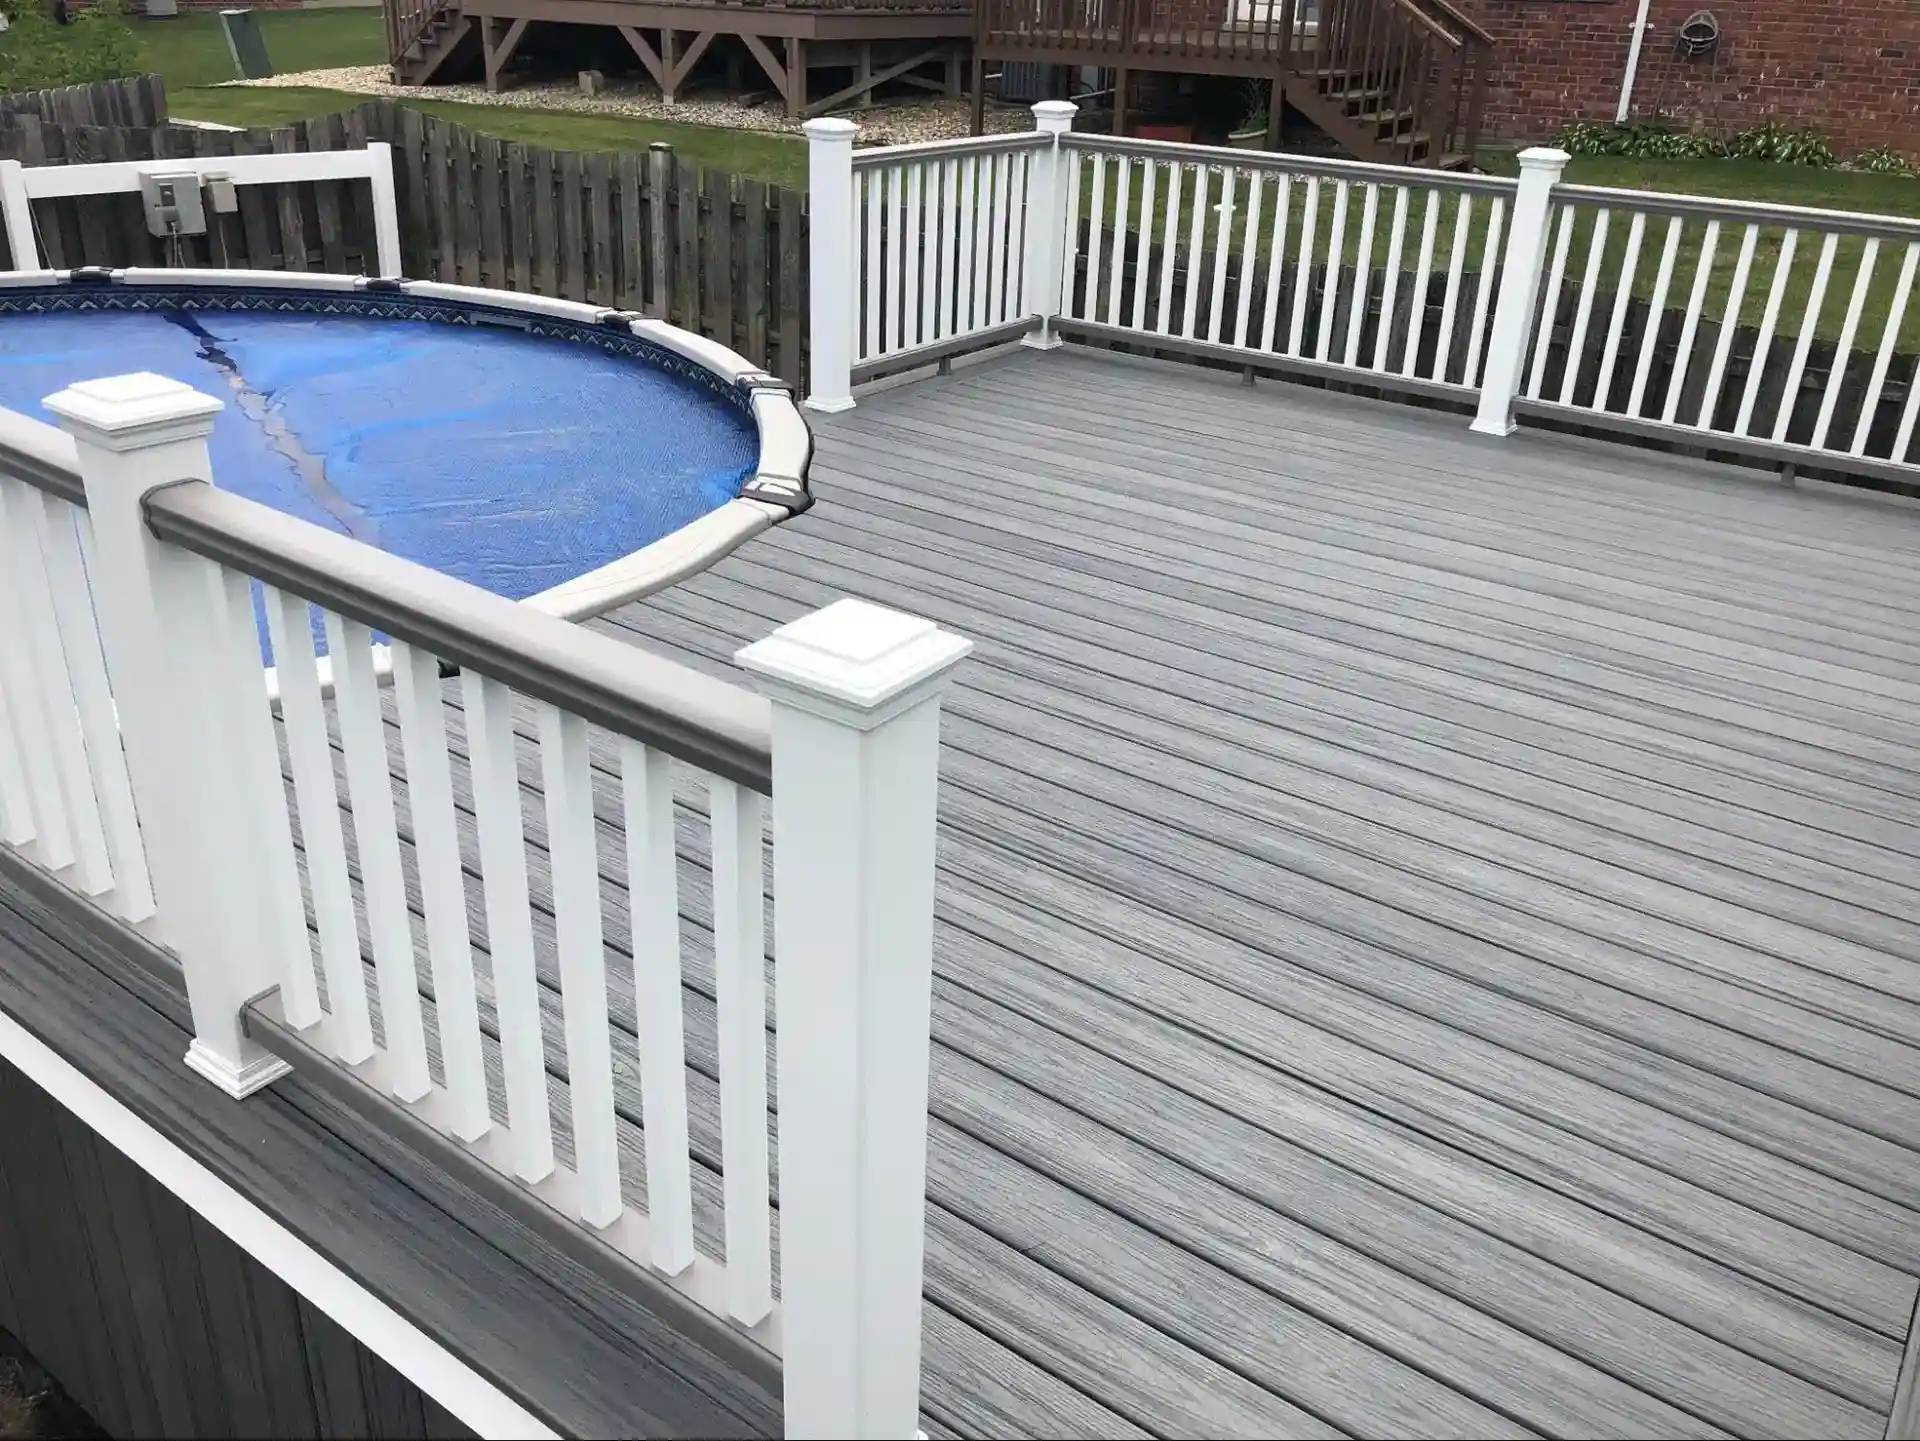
(1427, 926)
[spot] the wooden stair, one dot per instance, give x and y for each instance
(445, 42)
(1394, 81)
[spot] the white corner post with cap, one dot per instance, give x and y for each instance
(1519, 294)
(831, 279)
(856, 739)
(184, 677)
(1048, 175)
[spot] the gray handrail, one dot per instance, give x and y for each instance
(723, 729)
(1746, 212)
(42, 469)
(880, 155)
(1414, 176)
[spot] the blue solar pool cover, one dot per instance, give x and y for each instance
(510, 460)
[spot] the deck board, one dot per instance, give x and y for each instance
(1426, 936)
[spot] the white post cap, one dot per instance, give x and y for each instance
(830, 127)
(855, 662)
(132, 412)
(1054, 114)
(1543, 157)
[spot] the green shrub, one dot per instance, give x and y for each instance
(1781, 145)
(1642, 140)
(36, 53)
(1883, 160)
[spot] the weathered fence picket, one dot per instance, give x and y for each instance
(708, 251)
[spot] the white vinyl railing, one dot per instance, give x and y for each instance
(137, 730)
(1785, 334)
(1377, 269)
(1762, 323)
(21, 185)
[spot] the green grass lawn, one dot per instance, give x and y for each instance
(190, 54)
(191, 50)
(777, 159)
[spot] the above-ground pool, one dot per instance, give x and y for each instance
(514, 442)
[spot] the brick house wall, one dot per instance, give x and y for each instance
(1848, 68)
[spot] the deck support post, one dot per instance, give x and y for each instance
(1047, 240)
(1120, 78)
(856, 752)
(177, 693)
(831, 279)
(796, 77)
(1519, 289)
(979, 95)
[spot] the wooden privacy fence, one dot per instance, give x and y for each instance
(716, 254)
(135, 100)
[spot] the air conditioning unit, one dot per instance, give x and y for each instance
(163, 9)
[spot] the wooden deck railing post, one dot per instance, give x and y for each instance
(832, 281)
(1047, 241)
(856, 745)
(1519, 292)
(173, 675)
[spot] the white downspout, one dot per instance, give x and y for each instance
(1633, 63)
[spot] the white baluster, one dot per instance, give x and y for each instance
(1249, 259)
(1622, 303)
(832, 264)
(1769, 323)
(1809, 328)
(1513, 317)
(1303, 270)
(1843, 348)
(1729, 326)
(1336, 248)
(1390, 290)
(1123, 226)
(135, 434)
(646, 778)
(740, 985)
(567, 778)
(45, 690)
(1422, 280)
(1483, 289)
(65, 536)
(1362, 276)
(274, 888)
(503, 868)
(856, 739)
(304, 719)
(363, 742)
(1889, 338)
(1690, 325)
(1583, 307)
(1656, 311)
(1089, 302)
(443, 891)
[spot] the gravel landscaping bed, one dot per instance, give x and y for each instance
(891, 123)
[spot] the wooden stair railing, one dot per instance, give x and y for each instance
(422, 35)
(1389, 80)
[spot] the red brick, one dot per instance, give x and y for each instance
(1846, 68)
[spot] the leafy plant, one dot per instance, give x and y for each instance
(1781, 145)
(38, 53)
(1883, 160)
(1641, 140)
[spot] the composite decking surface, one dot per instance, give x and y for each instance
(1426, 926)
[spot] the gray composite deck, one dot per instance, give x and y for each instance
(1426, 926)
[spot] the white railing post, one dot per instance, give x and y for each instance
(1520, 271)
(832, 283)
(856, 743)
(1047, 210)
(386, 209)
(17, 216)
(169, 659)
